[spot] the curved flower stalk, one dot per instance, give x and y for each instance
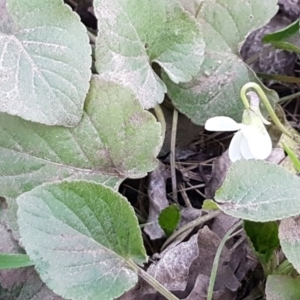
(251, 141)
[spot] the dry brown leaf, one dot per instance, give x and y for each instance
(200, 290)
(157, 201)
(172, 270)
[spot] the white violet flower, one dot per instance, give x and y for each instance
(252, 139)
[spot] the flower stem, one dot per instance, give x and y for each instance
(265, 101)
(243, 95)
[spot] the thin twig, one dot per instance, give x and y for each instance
(282, 78)
(192, 187)
(289, 97)
(254, 57)
(172, 155)
(184, 195)
(191, 225)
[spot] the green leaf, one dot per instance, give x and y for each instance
(293, 157)
(282, 287)
(256, 190)
(289, 144)
(282, 34)
(264, 238)
(80, 236)
(157, 31)
(13, 261)
(169, 218)
(215, 91)
(289, 235)
(284, 38)
(45, 61)
(115, 139)
(209, 204)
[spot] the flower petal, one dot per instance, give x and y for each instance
(234, 151)
(254, 106)
(257, 111)
(262, 147)
(245, 150)
(222, 124)
(259, 141)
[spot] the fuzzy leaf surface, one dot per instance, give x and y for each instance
(45, 60)
(115, 139)
(215, 91)
(80, 235)
(259, 191)
(289, 235)
(282, 287)
(157, 31)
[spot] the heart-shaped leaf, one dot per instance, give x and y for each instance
(80, 236)
(45, 61)
(157, 31)
(115, 139)
(256, 190)
(215, 91)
